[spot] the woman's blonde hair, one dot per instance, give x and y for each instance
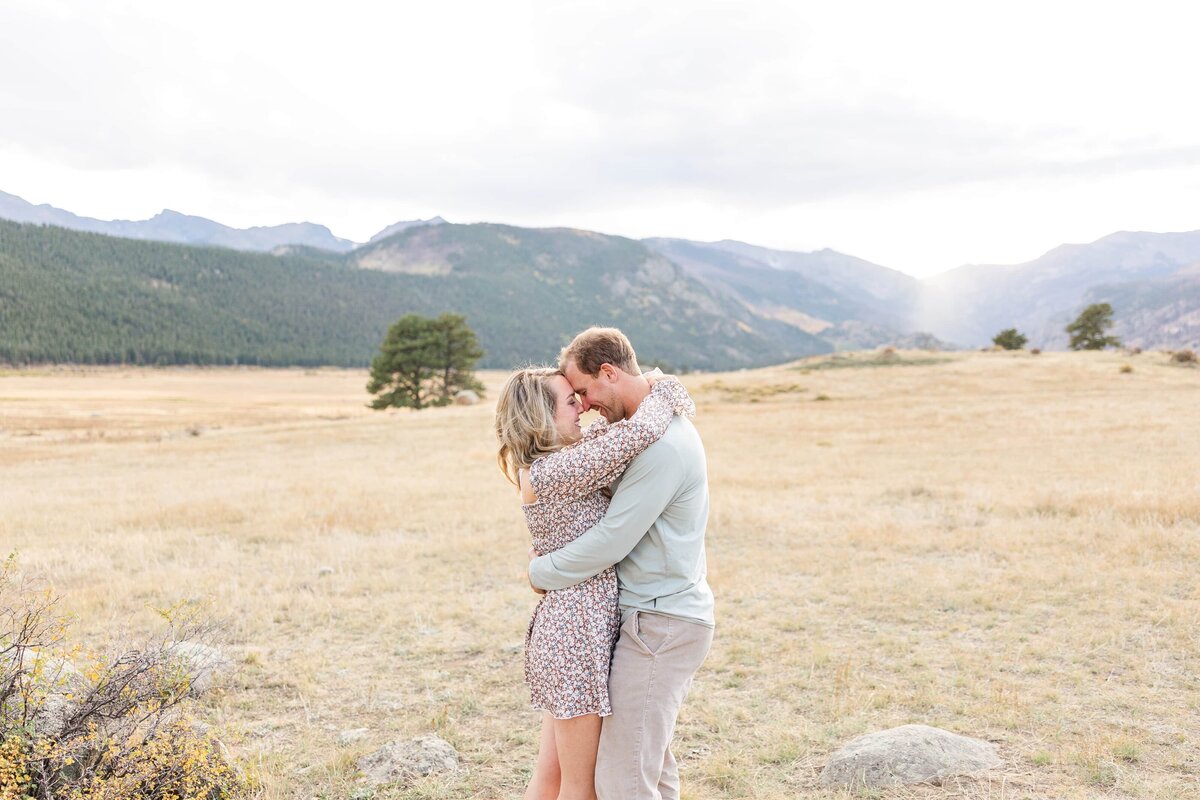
(525, 420)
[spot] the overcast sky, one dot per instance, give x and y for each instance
(918, 135)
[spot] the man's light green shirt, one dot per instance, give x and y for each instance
(653, 531)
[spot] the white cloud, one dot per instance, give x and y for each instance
(919, 135)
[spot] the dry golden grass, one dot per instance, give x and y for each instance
(1000, 544)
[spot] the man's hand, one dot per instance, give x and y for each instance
(532, 555)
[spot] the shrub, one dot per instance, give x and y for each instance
(1037, 351)
(1183, 357)
(90, 726)
(1010, 339)
(1126, 368)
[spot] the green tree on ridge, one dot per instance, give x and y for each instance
(1087, 331)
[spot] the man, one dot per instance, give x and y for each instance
(654, 533)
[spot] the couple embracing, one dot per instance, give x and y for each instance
(617, 515)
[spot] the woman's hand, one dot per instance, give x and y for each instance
(532, 555)
(654, 376)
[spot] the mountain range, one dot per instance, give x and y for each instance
(696, 304)
(1150, 279)
(172, 226)
(72, 296)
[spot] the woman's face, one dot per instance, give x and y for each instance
(566, 410)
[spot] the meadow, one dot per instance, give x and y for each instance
(1001, 544)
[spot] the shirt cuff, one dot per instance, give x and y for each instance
(538, 569)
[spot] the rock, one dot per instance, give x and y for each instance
(49, 719)
(53, 670)
(323, 571)
(58, 683)
(206, 665)
(351, 736)
(908, 754)
(234, 767)
(404, 761)
(466, 398)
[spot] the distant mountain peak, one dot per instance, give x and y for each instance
(169, 225)
(400, 227)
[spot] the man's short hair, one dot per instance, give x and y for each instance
(597, 346)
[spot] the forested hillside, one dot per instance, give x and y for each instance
(67, 296)
(77, 297)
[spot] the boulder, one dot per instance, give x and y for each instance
(58, 683)
(52, 714)
(466, 398)
(905, 755)
(52, 670)
(349, 737)
(407, 760)
(206, 666)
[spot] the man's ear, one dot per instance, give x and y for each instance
(609, 372)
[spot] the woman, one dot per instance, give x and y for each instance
(562, 475)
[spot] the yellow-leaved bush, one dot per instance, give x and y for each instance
(113, 725)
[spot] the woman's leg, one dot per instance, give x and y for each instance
(576, 740)
(546, 776)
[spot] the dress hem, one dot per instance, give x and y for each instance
(600, 714)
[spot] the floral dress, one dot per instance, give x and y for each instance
(571, 636)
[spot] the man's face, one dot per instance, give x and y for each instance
(596, 392)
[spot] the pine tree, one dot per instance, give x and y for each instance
(1087, 331)
(458, 352)
(424, 362)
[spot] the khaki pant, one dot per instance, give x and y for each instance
(652, 668)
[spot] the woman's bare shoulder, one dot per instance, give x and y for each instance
(527, 494)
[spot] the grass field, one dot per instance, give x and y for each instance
(1000, 544)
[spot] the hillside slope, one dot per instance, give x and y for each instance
(1158, 313)
(846, 301)
(970, 304)
(540, 286)
(71, 296)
